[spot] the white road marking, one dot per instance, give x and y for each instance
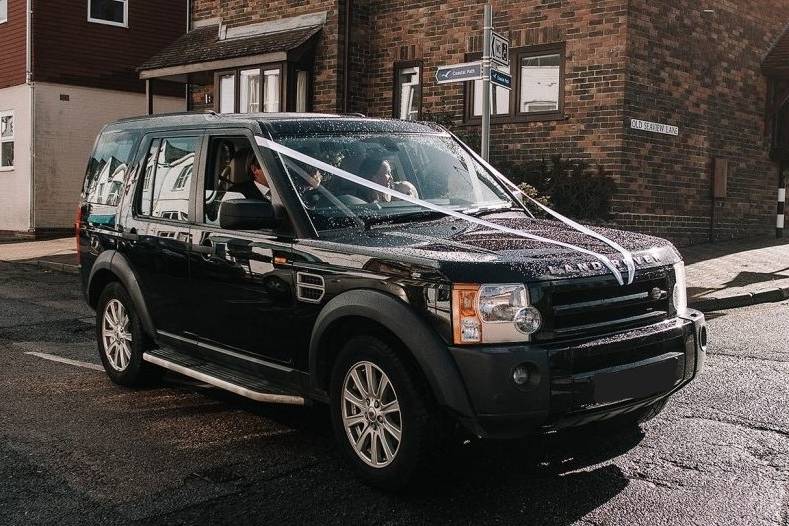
(53, 358)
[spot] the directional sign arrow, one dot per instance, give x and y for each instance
(459, 72)
(501, 79)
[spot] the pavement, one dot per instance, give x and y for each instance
(720, 275)
(77, 449)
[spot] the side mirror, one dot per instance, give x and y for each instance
(246, 214)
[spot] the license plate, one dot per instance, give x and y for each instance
(635, 383)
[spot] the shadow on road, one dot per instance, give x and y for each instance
(555, 479)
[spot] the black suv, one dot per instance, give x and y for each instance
(208, 251)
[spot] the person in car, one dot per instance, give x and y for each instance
(257, 186)
(404, 187)
(378, 171)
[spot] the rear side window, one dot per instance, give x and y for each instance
(108, 166)
(166, 183)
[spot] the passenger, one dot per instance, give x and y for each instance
(257, 186)
(378, 171)
(404, 187)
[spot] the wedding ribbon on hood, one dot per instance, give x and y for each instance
(627, 257)
(320, 165)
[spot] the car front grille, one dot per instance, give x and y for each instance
(589, 306)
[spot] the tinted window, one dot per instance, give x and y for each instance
(166, 182)
(108, 167)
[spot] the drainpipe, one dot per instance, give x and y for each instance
(346, 73)
(31, 110)
(779, 221)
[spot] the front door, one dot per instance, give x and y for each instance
(243, 298)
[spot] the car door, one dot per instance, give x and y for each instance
(158, 234)
(242, 294)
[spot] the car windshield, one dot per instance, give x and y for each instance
(433, 168)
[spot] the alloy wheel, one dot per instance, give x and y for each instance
(116, 335)
(371, 414)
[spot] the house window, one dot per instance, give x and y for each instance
(258, 90)
(302, 90)
(227, 93)
(407, 92)
(540, 81)
(112, 12)
(271, 90)
(250, 91)
(6, 140)
(537, 87)
(3, 11)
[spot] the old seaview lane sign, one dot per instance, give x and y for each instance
(654, 127)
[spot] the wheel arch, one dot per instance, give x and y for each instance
(364, 310)
(113, 266)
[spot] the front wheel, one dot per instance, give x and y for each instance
(382, 413)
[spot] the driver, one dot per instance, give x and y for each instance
(257, 186)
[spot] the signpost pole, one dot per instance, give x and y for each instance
(486, 41)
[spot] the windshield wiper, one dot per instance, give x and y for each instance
(479, 211)
(401, 218)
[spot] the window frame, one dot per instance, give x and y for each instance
(4, 19)
(261, 68)
(396, 68)
(147, 142)
(12, 140)
(125, 22)
(514, 114)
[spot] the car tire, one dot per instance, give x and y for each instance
(416, 421)
(122, 339)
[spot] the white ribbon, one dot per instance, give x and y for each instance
(320, 165)
(626, 255)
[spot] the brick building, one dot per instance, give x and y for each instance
(711, 70)
(66, 68)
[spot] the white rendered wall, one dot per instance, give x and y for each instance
(15, 183)
(64, 136)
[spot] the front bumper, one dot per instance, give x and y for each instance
(576, 382)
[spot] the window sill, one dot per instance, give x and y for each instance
(124, 25)
(7, 168)
(518, 119)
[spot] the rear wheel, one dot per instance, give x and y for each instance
(382, 414)
(121, 339)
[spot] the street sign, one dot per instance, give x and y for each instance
(654, 127)
(459, 72)
(501, 79)
(499, 49)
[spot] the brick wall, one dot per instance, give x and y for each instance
(444, 32)
(699, 71)
(327, 72)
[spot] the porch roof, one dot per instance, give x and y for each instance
(202, 49)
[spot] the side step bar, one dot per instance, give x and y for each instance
(209, 373)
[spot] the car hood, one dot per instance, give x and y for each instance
(462, 251)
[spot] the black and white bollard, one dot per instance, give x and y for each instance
(779, 220)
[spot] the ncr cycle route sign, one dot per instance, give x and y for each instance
(459, 72)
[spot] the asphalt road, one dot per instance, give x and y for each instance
(76, 449)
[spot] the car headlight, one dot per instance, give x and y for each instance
(680, 293)
(493, 314)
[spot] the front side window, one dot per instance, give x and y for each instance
(3, 11)
(434, 168)
(408, 93)
(113, 12)
(6, 140)
(168, 173)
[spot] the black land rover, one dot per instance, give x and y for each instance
(208, 251)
